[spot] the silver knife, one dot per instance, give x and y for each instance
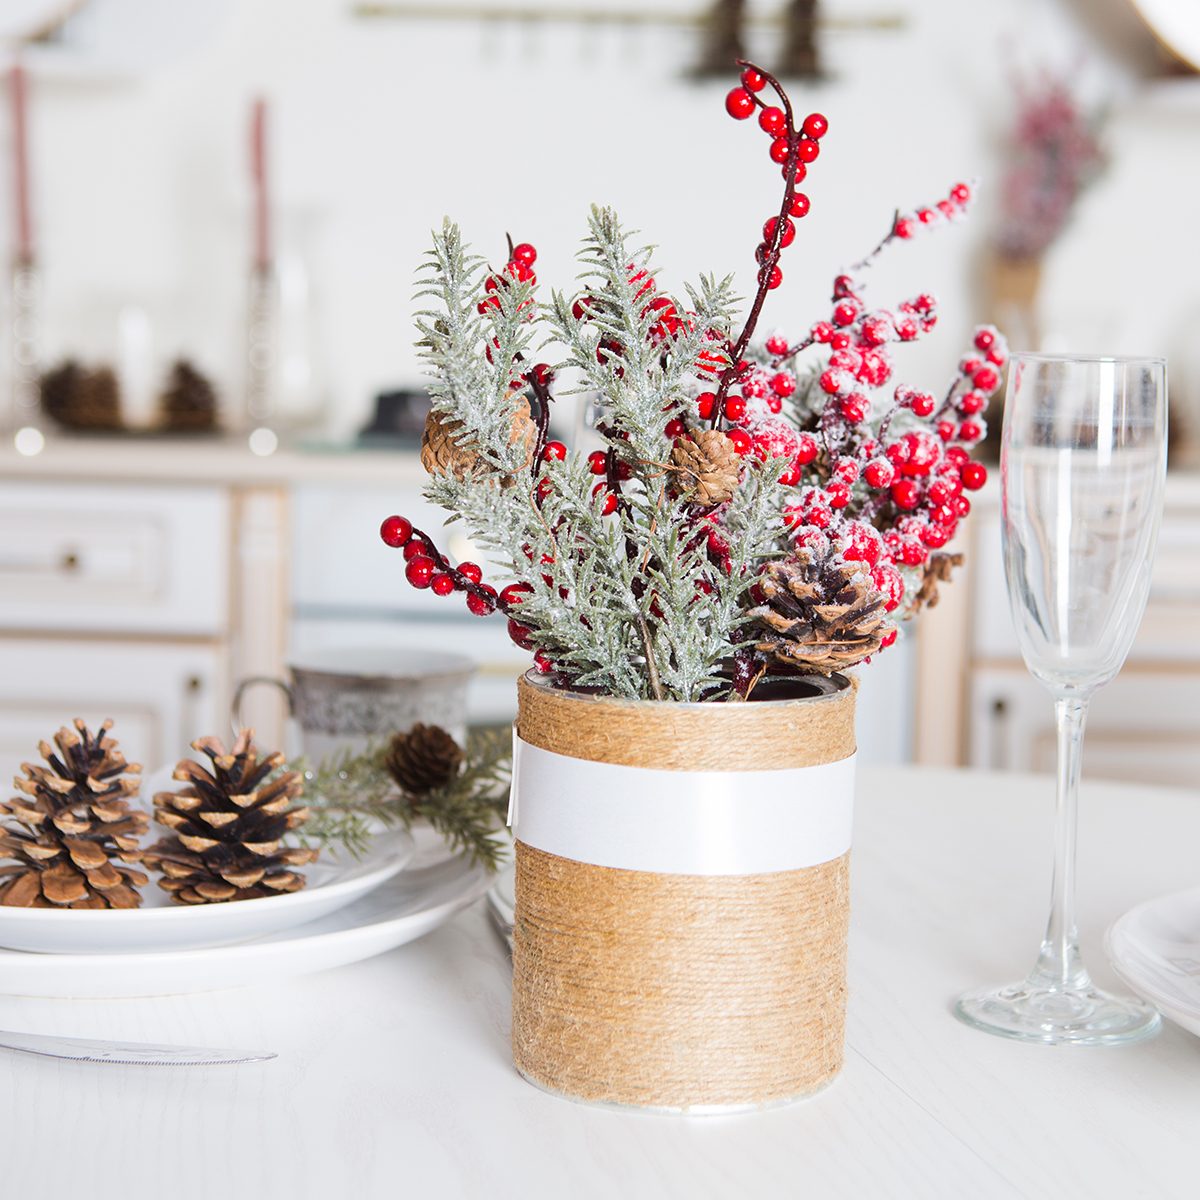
(140, 1054)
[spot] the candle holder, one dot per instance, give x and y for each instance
(24, 330)
(260, 411)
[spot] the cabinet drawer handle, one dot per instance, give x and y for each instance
(191, 710)
(69, 562)
(1000, 734)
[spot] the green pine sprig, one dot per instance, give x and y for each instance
(351, 795)
(611, 600)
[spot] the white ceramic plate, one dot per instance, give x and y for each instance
(1155, 948)
(405, 908)
(160, 925)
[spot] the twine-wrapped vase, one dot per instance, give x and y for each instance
(682, 895)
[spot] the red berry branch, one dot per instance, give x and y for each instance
(427, 567)
(906, 225)
(793, 149)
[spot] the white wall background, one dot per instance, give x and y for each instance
(381, 127)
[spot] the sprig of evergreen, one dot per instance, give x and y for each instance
(465, 386)
(641, 383)
(612, 600)
(350, 794)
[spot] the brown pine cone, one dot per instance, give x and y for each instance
(82, 399)
(227, 827)
(441, 454)
(820, 612)
(71, 821)
(188, 403)
(423, 759)
(58, 388)
(707, 467)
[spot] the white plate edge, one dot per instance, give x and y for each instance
(268, 946)
(31, 917)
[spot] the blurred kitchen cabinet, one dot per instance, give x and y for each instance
(114, 559)
(160, 695)
(1144, 728)
(978, 705)
(138, 601)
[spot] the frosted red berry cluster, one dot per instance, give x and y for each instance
(879, 467)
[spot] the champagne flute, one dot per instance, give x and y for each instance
(1082, 469)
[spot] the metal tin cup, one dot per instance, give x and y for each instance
(343, 699)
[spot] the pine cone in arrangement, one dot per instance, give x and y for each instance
(939, 569)
(707, 467)
(227, 826)
(820, 612)
(189, 403)
(442, 455)
(81, 399)
(71, 820)
(423, 759)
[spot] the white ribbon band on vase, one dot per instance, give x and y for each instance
(680, 822)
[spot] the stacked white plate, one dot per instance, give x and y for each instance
(350, 909)
(1155, 948)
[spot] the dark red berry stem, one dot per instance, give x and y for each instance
(864, 263)
(612, 478)
(792, 351)
(541, 391)
(886, 423)
(612, 481)
(948, 403)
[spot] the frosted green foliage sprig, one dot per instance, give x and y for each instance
(610, 342)
(626, 601)
(465, 385)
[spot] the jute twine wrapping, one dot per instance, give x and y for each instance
(679, 991)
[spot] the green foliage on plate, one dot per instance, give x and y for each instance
(418, 775)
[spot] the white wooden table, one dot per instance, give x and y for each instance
(394, 1078)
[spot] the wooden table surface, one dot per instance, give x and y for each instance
(393, 1078)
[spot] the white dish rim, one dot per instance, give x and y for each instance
(277, 942)
(399, 844)
(1170, 1003)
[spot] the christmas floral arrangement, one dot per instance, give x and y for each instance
(753, 508)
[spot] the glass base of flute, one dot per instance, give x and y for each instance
(1057, 1003)
(1042, 1010)
(1082, 467)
